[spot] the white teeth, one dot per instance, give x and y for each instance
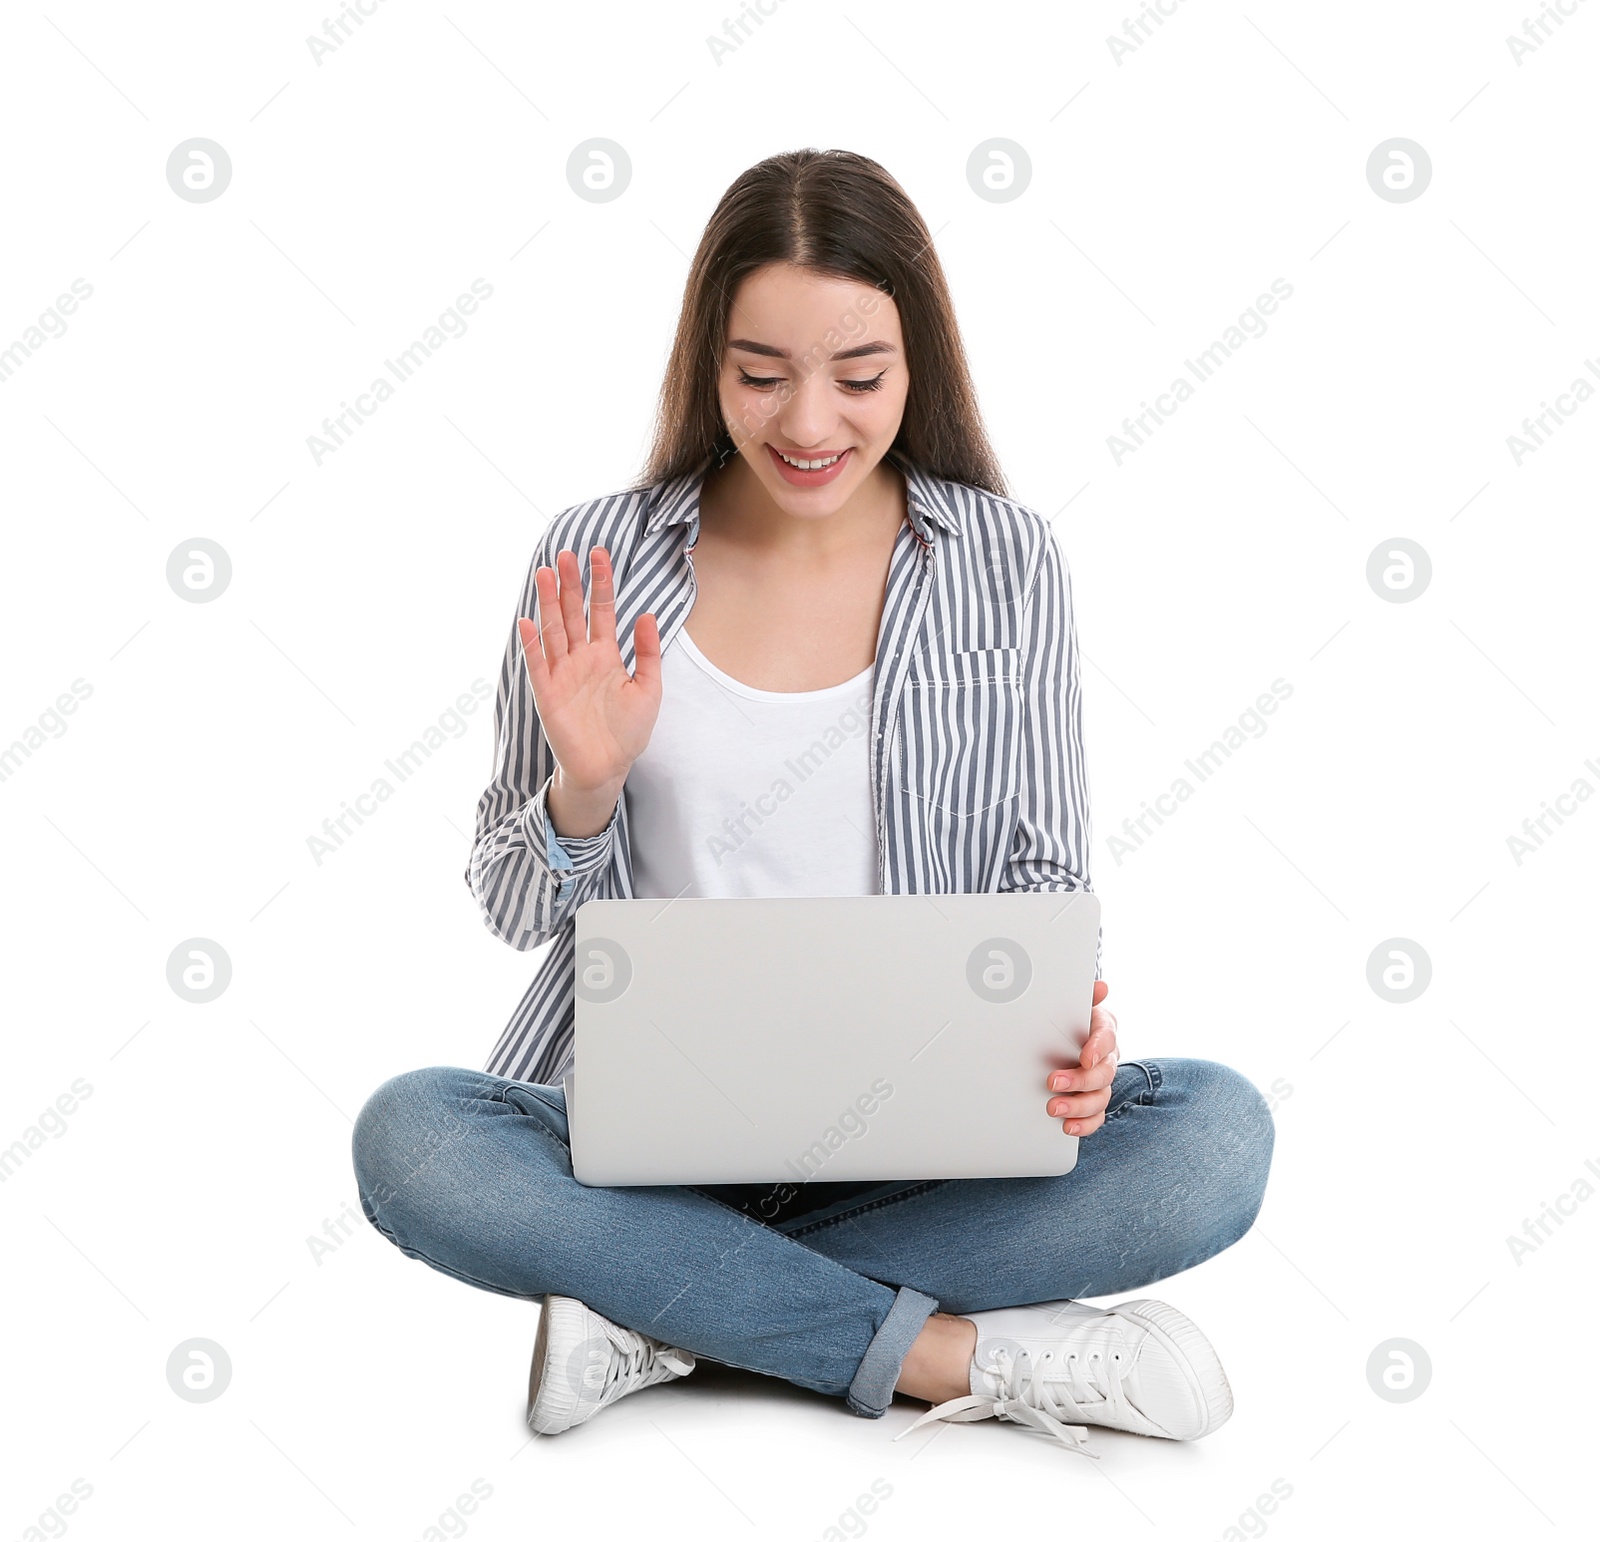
(809, 465)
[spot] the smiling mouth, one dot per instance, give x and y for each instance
(807, 463)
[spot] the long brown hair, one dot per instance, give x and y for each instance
(842, 215)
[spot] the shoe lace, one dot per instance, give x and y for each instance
(637, 1361)
(1024, 1396)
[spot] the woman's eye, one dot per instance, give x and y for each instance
(766, 382)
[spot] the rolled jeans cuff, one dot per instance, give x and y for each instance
(872, 1388)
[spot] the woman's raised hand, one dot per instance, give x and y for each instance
(597, 717)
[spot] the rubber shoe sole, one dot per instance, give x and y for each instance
(1190, 1349)
(560, 1402)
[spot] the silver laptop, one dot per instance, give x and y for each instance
(832, 1039)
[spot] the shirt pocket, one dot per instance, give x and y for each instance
(961, 730)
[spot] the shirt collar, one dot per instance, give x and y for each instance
(928, 501)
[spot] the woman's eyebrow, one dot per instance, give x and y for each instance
(766, 350)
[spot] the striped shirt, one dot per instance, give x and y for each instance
(975, 756)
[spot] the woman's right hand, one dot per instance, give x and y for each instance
(595, 715)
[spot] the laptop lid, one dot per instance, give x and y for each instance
(839, 1038)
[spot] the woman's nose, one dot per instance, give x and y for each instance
(808, 417)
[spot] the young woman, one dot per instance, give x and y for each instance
(819, 553)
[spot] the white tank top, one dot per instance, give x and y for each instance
(744, 792)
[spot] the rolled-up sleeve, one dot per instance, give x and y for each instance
(527, 880)
(1050, 847)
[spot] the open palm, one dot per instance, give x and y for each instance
(597, 717)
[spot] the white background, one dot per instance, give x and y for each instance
(1168, 191)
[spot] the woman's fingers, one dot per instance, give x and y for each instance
(602, 598)
(571, 596)
(533, 656)
(561, 629)
(1083, 1126)
(1085, 1078)
(552, 626)
(561, 624)
(1102, 1041)
(1079, 1105)
(1087, 1087)
(1081, 1112)
(647, 652)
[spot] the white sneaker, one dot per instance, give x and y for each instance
(583, 1362)
(1140, 1366)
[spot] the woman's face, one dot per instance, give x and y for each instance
(814, 370)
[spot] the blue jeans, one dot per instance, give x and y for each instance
(824, 1284)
